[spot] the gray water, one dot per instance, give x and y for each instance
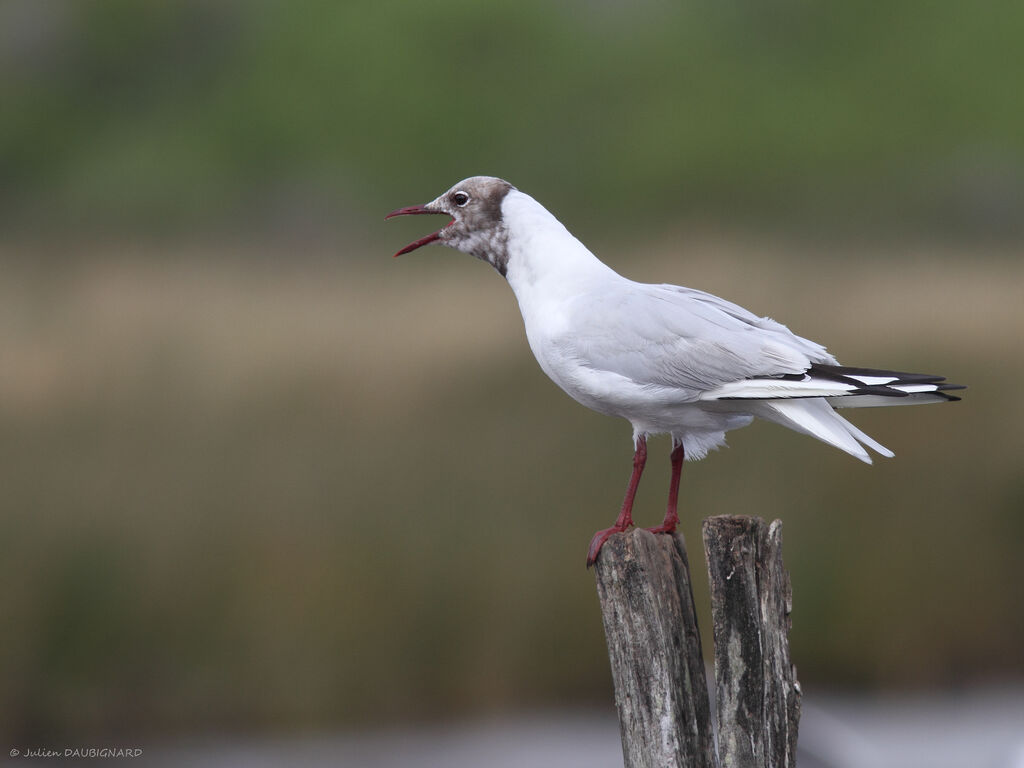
(975, 729)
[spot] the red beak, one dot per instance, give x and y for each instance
(414, 210)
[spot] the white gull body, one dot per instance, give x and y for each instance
(655, 355)
(666, 358)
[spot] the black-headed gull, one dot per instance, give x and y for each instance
(668, 359)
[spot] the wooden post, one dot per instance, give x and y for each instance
(643, 582)
(751, 600)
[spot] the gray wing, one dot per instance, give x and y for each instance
(666, 335)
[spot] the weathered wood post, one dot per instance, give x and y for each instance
(643, 582)
(650, 623)
(755, 681)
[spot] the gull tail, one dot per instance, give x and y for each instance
(805, 402)
(815, 417)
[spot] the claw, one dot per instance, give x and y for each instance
(599, 539)
(663, 528)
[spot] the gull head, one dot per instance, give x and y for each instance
(476, 228)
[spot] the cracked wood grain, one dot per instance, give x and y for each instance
(643, 582)
(758, 695)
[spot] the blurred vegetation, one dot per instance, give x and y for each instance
(160, 116)
(258, 475)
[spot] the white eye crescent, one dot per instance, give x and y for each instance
(460, 199)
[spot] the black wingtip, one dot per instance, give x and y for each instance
(841, 372)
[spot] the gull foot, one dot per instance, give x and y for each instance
(599, 539)
(663, 528)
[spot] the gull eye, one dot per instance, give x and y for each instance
(460, 199)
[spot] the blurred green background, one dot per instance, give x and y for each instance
(260, 477)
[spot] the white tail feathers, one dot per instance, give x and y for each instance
(815, 417)
(805, 402)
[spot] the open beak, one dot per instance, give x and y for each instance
(415, 210)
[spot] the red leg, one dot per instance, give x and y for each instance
(668, 525)
(625, 518)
